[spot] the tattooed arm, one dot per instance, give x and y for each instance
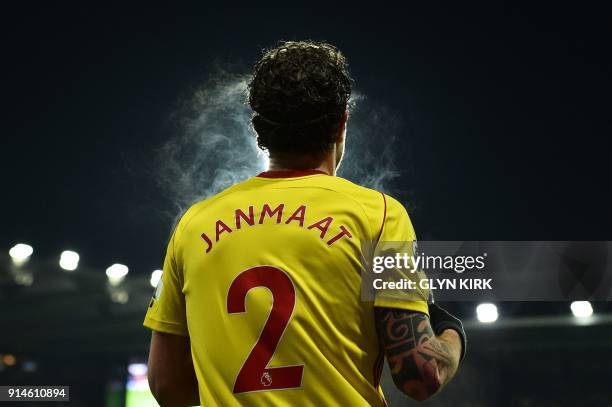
(421, 362)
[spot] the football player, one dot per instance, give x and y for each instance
(260, 300)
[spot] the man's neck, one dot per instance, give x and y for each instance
(328, 166)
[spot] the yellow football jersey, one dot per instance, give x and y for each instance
(265, 279)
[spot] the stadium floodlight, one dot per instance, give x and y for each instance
(138, 369)
(155, 277)
(486, 313)
(116, 273)
(20, 253)
(69, 260)
(581, 309)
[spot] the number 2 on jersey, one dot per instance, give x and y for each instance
(254, 374)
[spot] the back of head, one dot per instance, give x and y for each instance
(299, 93)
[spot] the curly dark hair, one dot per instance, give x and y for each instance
(299, 92)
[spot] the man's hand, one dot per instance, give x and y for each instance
(441, 320)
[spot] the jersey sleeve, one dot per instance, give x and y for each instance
(397, 236)
(166, 312)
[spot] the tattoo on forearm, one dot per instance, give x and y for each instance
(414, 353)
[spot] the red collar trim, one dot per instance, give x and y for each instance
(290, 174)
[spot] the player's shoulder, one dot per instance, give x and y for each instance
(354, 191)
(395, 206)
(379, 207)
(368, 197)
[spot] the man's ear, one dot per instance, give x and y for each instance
(342, 127)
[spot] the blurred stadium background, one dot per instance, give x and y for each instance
(66, 324)
(497, 115)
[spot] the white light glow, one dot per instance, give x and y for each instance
(20, 253)
(26, 279)
(581, 309)
(116, 273)
(155, 277)
(69, 260)
(137, 369)
(487, 313)
(120, 297)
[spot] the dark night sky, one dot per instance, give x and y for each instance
(507, 109)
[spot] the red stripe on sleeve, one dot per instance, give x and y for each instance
(384, 217)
